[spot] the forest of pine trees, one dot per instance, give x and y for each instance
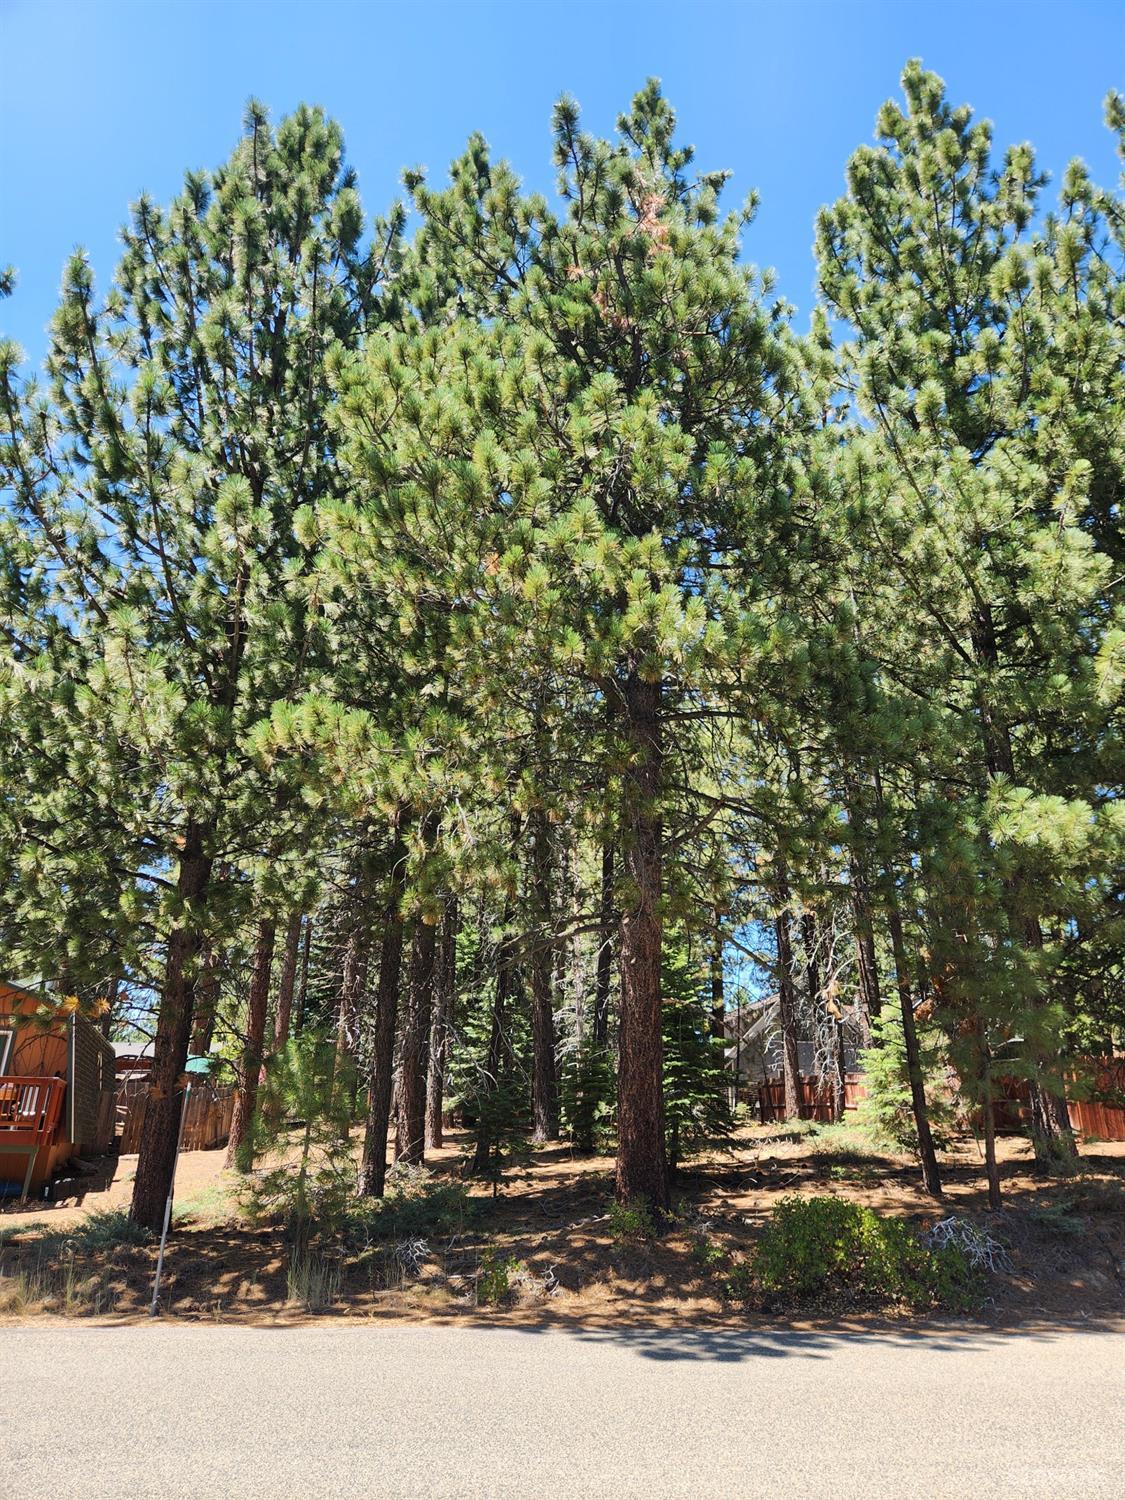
(441, 651)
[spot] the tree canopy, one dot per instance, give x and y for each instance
(458, 639)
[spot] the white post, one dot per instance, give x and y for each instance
(168, 1206)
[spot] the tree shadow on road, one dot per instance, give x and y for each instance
(735, 1345)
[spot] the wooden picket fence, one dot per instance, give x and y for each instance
(206, 1123)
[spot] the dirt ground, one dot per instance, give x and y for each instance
(566, 1260)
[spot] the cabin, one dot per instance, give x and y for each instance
(56, 1089)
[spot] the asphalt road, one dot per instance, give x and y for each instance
(378, 1411)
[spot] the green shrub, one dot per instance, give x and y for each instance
(738, 1284)
(101, 1230)
(1058, 1219)
(833, 1251)
(494, 1279)
(107, 1229)
(417, 1205)
(631, 1221)
(708, 1255)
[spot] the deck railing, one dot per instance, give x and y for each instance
(29, 1110)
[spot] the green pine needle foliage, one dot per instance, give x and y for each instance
(587, 1097)
(304, 1108)
(887, 1109)
(696, 1083)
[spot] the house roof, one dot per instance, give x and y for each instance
(133, 1049)
(16, 987)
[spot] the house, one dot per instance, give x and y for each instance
(56, 1089)
(754, 1055)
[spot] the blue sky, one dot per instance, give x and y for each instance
(104, 98)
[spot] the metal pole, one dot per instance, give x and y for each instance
(168, 1206)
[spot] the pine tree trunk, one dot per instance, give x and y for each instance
(373, 1164)
(445, 993)
(544, 1084)
(988, 1115)
(867, 965)
(641, 1166)
(787, 1008)
(352, 981)
(160, 1129)
(288, 982)
(840, 1077)
(1052, 1138)
(206, 1003)
(810, 937)
(571, 984)
(1051, 1131)
(240, 1144)
(718, 990)
(870, 998)
(410, 1142)
(927, 1155)
(497, 1048)
(544, 1090)
(607, 922)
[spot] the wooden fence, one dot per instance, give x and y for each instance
(206, 1123)
(817, 1100)
(1102, 1115)
(107, 1120)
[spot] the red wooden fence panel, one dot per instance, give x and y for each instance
(816, 1099)
(1101, 1116)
